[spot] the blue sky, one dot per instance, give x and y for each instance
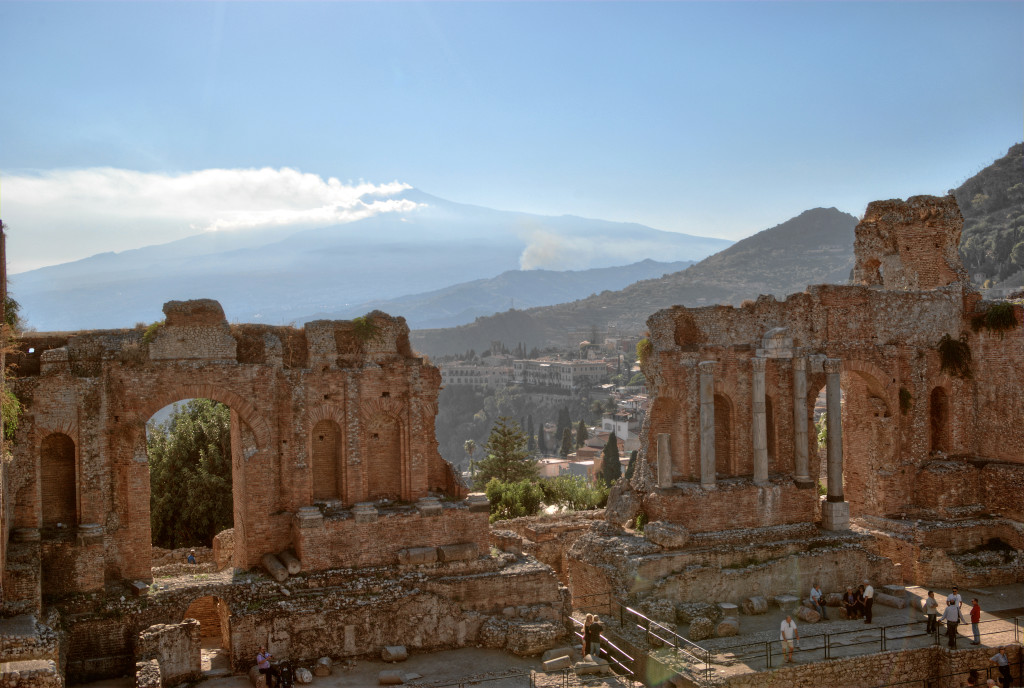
(710, 118)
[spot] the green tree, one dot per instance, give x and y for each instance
(507, 458)
(190, 475)
(542, 444)
(531, 442)
(581, 434)
(513, 499)
(563, 422)
(566, 448)
(611, 469)
(1017, 254)
(631, 466)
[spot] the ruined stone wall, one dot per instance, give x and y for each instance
(733, 504)
(176, 647)
(93, 392)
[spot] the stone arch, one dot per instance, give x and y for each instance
(58, 481)
(725, 464)
(239, 404)
(939, 420)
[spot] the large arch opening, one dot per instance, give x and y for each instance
(214, 619)
(190, 449)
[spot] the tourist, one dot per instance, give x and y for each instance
(951, 616)
(788, 634)
(817, 601)
(586, 633)
(1003, 663)
(263, 664)
(191, 558)
(954, 598)
(859, 597)
(850, 604)
(931, 610)
(975, 620)
(595, 637)
(869, 600)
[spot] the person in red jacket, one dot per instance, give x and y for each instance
(975, 620)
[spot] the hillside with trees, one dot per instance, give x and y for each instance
(992, 202)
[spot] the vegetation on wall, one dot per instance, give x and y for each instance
(644, 348)
(10, 408)
(997, 317)
(906, 400)
(152, 331)
(955, 356)
(365, 329)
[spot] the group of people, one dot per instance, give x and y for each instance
(859, 602)
(280, 676)
(952, 615)
(1002, 663)
(592, 630)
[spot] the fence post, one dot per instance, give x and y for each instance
(768, 653)
(882, 629)
(828, 645)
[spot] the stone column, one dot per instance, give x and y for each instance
(800, 467)
(707, 424)
(760, 424)
(836, 511)
(664, 461)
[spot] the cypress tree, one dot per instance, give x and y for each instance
(542, 444)
(566, 443)
(581, 434)
(611, 469)
(632, 465)
(531, 443)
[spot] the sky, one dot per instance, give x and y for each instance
(128, 124)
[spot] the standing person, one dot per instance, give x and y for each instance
(869, 600)
(595, 637)
(931, 610)
(817, 601)
(788, 634)
(954, 598)
(586, 633)
(1003, 663)
(858, 608)
(975, 620)
(951, 616)
(263, 664)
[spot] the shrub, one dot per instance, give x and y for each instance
(513, 500)
(998, 317)
(906, 400)
(955, 356)
(573, 493)
(644, 349)
(151, 332)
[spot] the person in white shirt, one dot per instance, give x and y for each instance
(869, 600)
(952, 618)
(818, 602)
(788, 634)
(954, 598)
(1003, 663)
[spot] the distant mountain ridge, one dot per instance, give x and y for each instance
(816, 247)
(279, 276)
(462, 303)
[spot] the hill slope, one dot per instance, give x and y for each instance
(816, 247)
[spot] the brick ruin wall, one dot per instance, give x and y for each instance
(886, 337)
(77, 491)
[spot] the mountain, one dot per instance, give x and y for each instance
(816, 247)
(992, 202)
(461, 303)
(280, 275)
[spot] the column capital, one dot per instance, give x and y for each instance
(832, 365)
(799, 363)
(758, 364)
(706, 367)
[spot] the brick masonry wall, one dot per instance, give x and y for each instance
(176, 647)
(206, 610)
(733, 504)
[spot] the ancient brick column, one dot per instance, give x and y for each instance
(664, 460)
(800, 422)
(836, 511)
(707, 423)
(760, 424)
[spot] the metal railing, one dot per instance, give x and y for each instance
(620, 660)
(684, 649)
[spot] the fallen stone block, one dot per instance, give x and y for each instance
(891, 600)
(394, 653)
(583, 668)
(559, 652)
(147, 674)
(417, 555)
(667, 535)
(390, 677)
(303, 675)
(290, 561)
(558, 663)
(275, 568)
(833, 599)
(464, 551)
(728, 609)
(533, 637)
(894, 590)
(729, 626)
(700, 629)
(322, 667)
(257, 679)
(754, 605)
(808, 615)
(786, 602)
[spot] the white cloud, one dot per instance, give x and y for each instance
(63, 215)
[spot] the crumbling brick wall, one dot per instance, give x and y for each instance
(176, 647)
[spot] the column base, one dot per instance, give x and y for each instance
(804, 483)
(835, 515)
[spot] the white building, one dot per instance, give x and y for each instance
(461, 373)
(563, 374)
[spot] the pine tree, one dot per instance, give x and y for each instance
(190, 475)
(581, 434)
(611, 469)
(631, 466)
(566, 443)
(507, 458)
(531, 443)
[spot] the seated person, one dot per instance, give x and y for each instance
(850, 603)
(861, 604)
